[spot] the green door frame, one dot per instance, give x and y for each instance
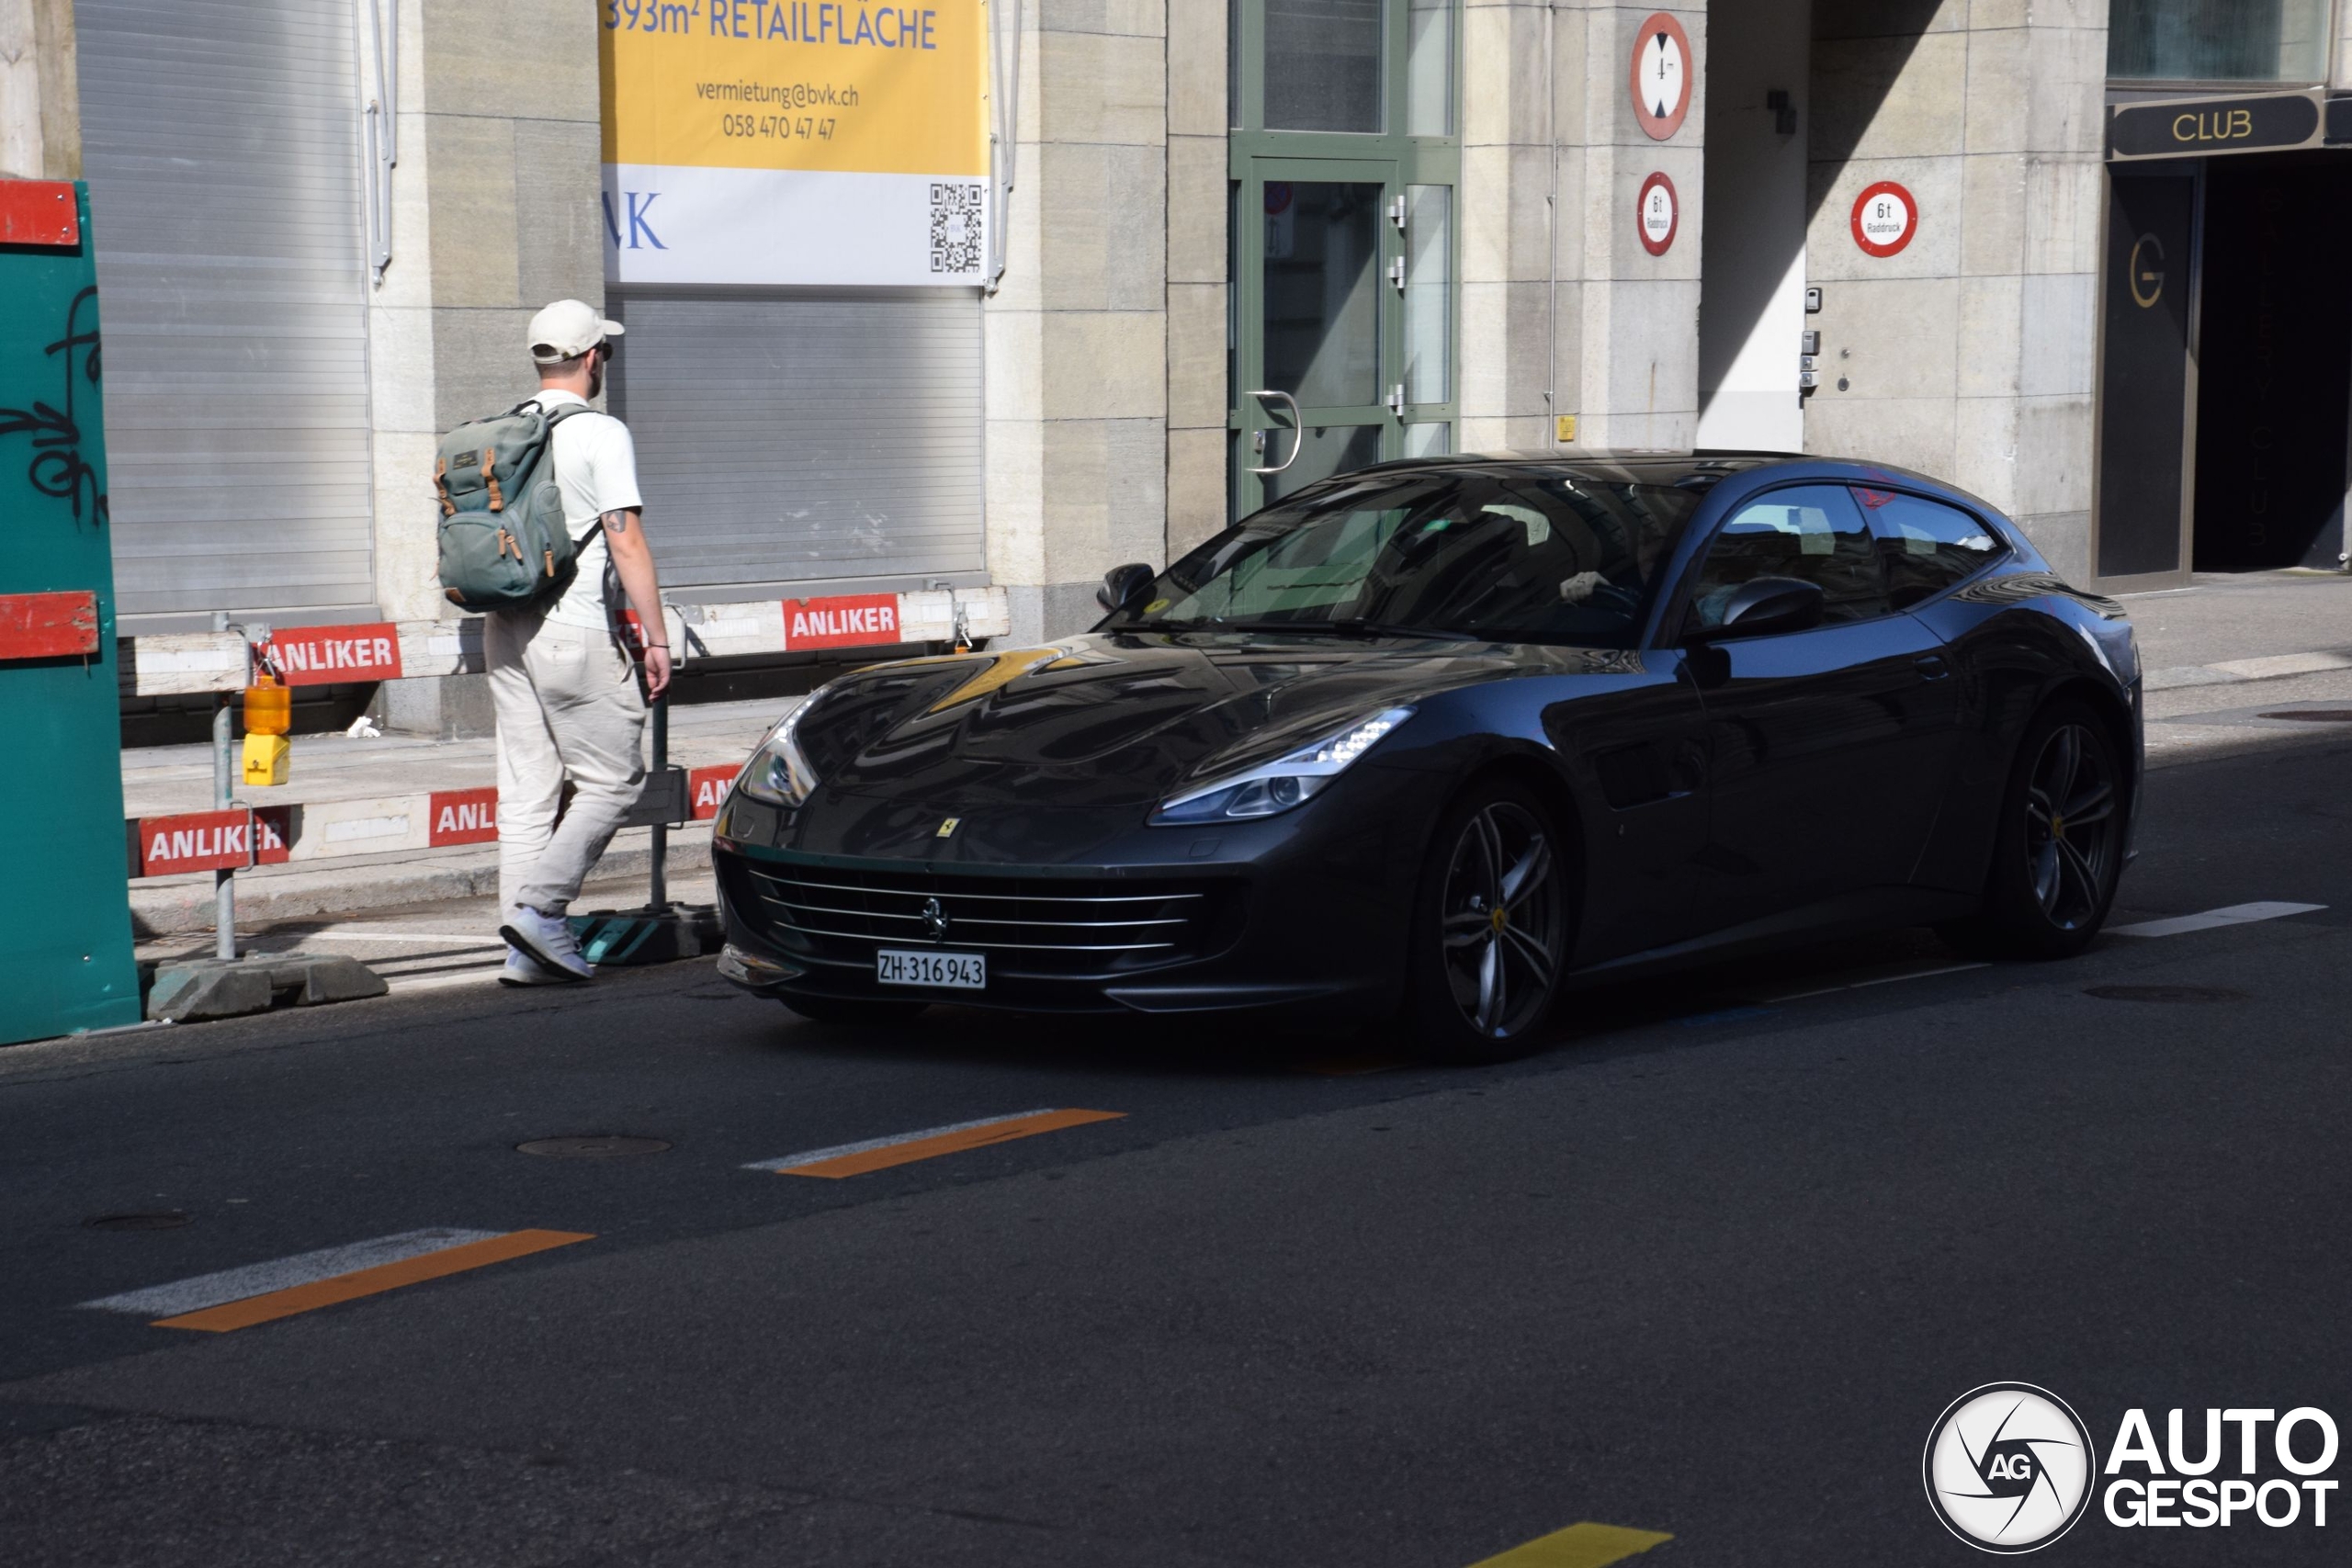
(1389, 158)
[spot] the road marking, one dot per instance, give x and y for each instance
(1876, 980)
(263, 1292)
(1586, 1545)
(905, 1148)
(2235, 915)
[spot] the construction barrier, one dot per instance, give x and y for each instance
(242, 837)
(194, 663)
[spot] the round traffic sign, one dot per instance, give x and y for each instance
(1663, 66)
(1885, 217)
(1659, 212)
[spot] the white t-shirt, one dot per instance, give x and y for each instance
(596, 467)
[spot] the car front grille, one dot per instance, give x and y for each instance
(1060, 927)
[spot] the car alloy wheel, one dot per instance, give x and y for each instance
(1501, 922)
(2070, 826)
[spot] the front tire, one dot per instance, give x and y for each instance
(1492, 920)
(2058, 851)
(853, 1009)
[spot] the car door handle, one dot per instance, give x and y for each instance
(1932, 668)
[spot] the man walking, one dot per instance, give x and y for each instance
(565, 693)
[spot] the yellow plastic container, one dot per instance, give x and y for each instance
(265, 758)
(269, 707)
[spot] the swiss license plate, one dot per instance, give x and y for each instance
(957, 971)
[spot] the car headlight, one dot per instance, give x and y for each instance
(778, 773)
(1278, 785)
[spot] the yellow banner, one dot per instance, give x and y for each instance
(823, 84)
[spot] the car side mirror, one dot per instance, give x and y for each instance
(1767, 605)
(1124, 586)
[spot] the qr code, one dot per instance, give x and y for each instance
(956, 227)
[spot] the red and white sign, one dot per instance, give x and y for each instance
(848, 620)
(314, 656)
(211, 841)
(1659, 213)
(461, 816)
(707, 789)
(1663, 66)
(39, 212)
(1885, 217)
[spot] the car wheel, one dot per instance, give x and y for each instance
(1491, 924)
(852, 1009)
(2059, 848)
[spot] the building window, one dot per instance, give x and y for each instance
(2218, 40)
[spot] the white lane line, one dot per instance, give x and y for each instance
(2235, 915)
(1877, 980)
(811, 1156)
(302, 1268)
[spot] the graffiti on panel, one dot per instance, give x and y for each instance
(58, 467)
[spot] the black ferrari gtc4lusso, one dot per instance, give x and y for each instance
(1442, 740)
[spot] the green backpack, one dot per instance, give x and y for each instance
(504, 543)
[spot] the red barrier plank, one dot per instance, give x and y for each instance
(462, 816)
(209, 840)
(39, 212)
(707, 789)
(48, 625)
(315, 656)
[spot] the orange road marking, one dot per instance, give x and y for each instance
(1585, 1545)
(373, 1282)
(948, 1142)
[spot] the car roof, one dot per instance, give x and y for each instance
(1602, 467)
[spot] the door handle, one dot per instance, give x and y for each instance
(1932, 667)
(1297, 430)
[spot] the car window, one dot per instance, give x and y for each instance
(1528, 557)
(1924, 547)
(1812, 531)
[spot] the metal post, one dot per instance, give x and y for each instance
(224, 777)
(661, 845)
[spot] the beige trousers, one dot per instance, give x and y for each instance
(568, 706)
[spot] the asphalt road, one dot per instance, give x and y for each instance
(1710, 1266)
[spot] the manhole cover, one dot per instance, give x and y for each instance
(593, 1146)
(2316, 715)
(2165, 994)
(165, 1220)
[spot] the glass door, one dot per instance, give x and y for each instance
(1344, 165)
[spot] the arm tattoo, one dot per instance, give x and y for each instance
(617, 522)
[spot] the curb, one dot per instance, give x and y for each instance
(275, 894)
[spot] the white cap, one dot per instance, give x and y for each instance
(567, 329)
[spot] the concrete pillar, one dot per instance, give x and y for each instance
(1970, 354)
(1508, 359)
(1199, 257)
(40, 100)
(1076, 381)
(495, 212)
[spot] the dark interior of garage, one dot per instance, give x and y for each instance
(2274, 361)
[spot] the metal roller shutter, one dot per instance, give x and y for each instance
(220, 142)
(807, 440)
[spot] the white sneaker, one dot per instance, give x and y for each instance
(546, 939)
(522, 969)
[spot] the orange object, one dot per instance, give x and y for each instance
(269, 707)
(373, 1282)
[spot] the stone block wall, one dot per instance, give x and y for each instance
(1971, 354)
(1077, 387)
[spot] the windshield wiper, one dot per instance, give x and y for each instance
(1355, 625)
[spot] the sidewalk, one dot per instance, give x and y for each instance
(2284, 638)
(166, 779)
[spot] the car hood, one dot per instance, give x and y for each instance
(1043, 749)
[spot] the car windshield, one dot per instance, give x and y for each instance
(1506, 557)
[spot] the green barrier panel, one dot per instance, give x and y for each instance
(65, 956)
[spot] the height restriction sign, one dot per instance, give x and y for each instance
(1662, 76)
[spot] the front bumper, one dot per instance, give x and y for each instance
(1304, 914)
